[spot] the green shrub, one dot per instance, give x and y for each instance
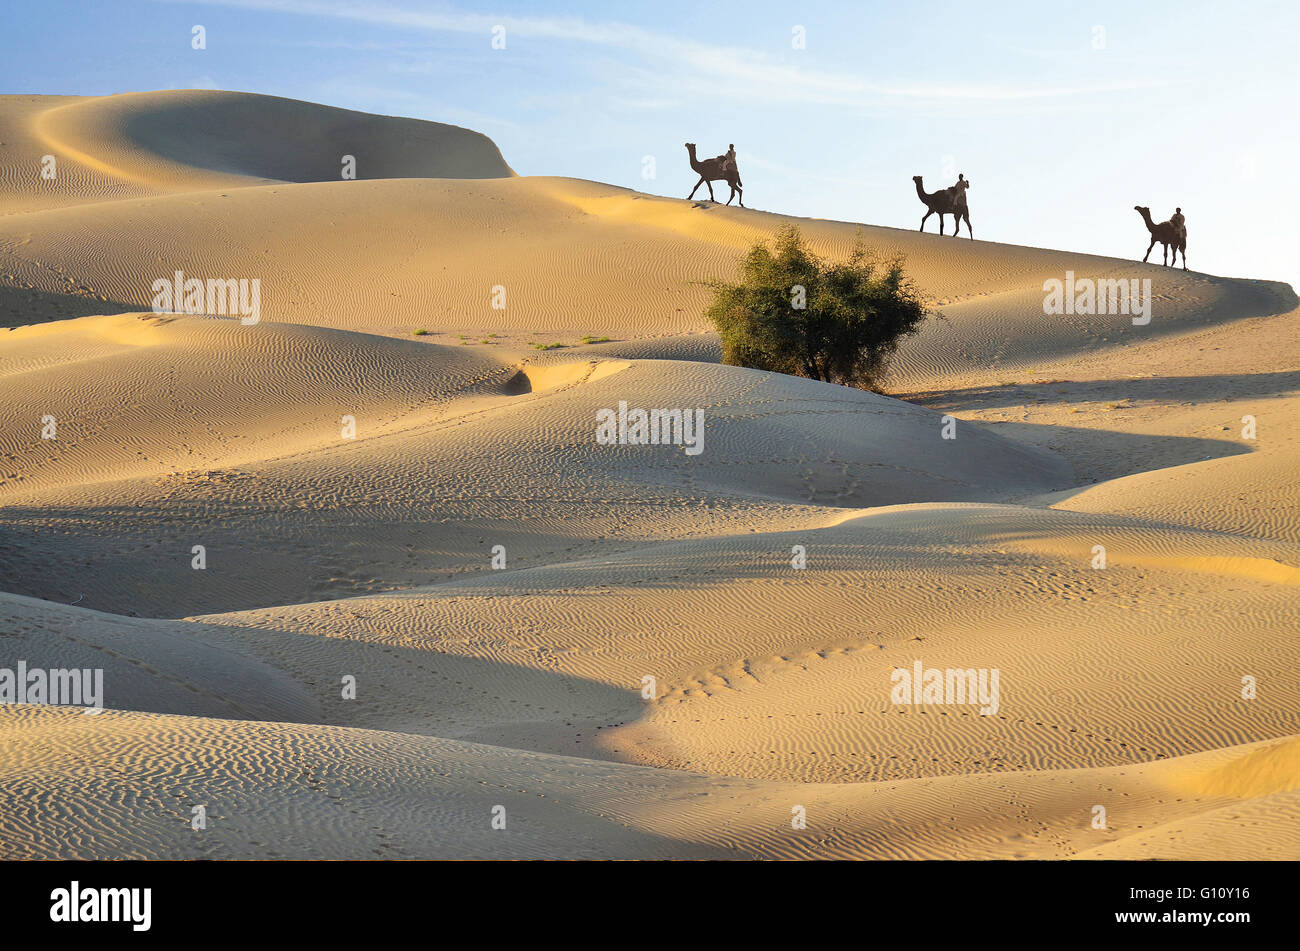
(855, 313)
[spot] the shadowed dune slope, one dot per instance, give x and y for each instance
(158, 666)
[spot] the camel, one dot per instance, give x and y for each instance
(713, 170)
(1169, 234)
(946, 201)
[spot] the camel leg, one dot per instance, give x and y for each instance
(968, 227)
(710, 184)
(941, 222)
(740, 196)
(926, 215)
(695, 189)
(1149, 247)
(732, 195)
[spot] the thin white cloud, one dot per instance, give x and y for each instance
(721, 71)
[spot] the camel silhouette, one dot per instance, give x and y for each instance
(1168, 233)
(716, 170)
(946, 201)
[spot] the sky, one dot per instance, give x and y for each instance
(1063, 115)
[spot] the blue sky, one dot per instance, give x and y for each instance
(1062, 115)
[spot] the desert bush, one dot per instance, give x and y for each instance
(793, 313)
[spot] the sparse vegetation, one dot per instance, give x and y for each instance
(835, 322)
(420, 332)
(548, 346)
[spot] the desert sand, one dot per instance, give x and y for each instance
(367, 554)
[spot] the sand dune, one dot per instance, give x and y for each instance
(785, 674)
(360, 793)
(349, 482)
(422, 492)
(392, 256)
(151, 143)
(151, 665)
(121, 388)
